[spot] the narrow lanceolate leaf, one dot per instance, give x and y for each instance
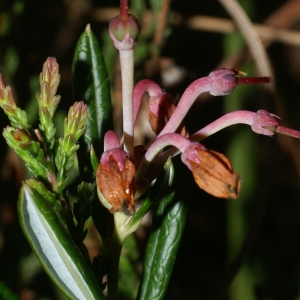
(167, 228)
(91, 84)
(154, 194)
(55, 249)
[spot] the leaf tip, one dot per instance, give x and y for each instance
(88, 28)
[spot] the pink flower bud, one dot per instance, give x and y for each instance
(265, 123)
(223, 81)
(124, 32)
(190, 154)
(119, 157)
(50, 75)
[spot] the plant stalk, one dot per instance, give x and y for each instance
(114, 252)
(126, 60)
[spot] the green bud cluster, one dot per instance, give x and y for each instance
(47, 158)
(75, 123)
(17, 117)
(29, 150)
(48, 100)
(74, 127)
(49, 81)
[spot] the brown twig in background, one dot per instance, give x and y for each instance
(162, 21)
(153, 65)
(222, 25)
(288, 144)
(274, 28)
(284, 17)
(251, 36)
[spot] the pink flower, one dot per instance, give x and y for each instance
(115, 177)
(212, 171)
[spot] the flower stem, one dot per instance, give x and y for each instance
(235, 117)
(196, 88)
(253, 80)
(170, 139)
(143, 86)
(127, 62)
(113, 270)
(124, 9)
(288, 131)
(114, 252)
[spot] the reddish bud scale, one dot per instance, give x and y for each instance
(2, 85)
(17, 137)
(21, 135)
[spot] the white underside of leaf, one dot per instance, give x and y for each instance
(56, 255)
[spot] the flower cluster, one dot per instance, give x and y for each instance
(121, 169)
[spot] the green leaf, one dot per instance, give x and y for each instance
(94, 159)
(6, 293)
(163, 181)
(167, 228)
(31, 153)
(50, 198)
(91, 84)
(54, 247)
(83, 206)
(128, 275)
(47, 128)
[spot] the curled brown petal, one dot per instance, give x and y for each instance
(117, 187)
(162, 108)
(214, 175)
